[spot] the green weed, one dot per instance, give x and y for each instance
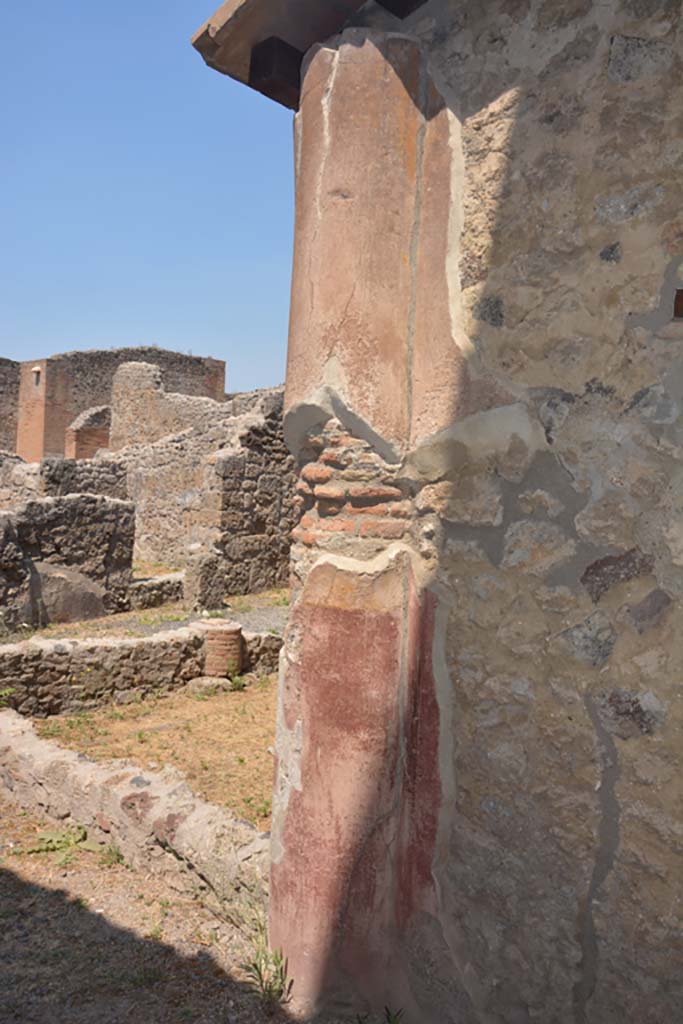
(267, 971)
(110, 856)
(65, 844)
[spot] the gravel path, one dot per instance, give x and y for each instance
(262, 620)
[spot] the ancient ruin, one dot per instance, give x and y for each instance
(478, 797)
(199, 482)
(471, 483)
(44, 401)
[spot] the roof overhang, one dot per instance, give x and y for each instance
(262, 42)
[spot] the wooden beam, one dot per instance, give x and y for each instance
(239, 27)
(275, 71)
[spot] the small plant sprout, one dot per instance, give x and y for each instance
(111, 856)
(65, 844)
(267, 971)
(5, 696)
(392, 1017)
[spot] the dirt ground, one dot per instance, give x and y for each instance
(221, 743)
(87, 943)
(90, 940)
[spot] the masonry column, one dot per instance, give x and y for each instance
(373, 369)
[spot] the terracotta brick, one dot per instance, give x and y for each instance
(330, 492)
(341, 440)
(307, 538)
(314, 473)
(337, 525)
(337, 459)
(330, 508)
(389, 529)
(398, 510)
(370, 510)
(361, 493)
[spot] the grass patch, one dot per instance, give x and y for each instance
(221, 742)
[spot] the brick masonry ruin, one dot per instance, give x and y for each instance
(477, 814)
(40, 400)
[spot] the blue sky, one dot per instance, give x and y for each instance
(145, 198)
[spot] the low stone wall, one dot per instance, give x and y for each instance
(157, 590)
(154, 819)
(83, 476)
(50, 677)
(65, 559)
(55, 477)
(261, 652)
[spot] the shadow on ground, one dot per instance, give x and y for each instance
(61, 963)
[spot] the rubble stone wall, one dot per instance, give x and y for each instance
(107, 477)
(65, 559)
(55, 477)
(48, 677)
(217, 495)
(480, 711)
(9, 403)
(19, 481)
(92, 373)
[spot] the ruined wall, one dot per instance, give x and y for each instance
(144, 410)
(219, 493)
(215, 490)
(65, 559)
(76, 675)
(253, 480)
(68, 385)
(9, 403)
(52, 478)
(52, 677)
(88, 433)
(19, 481)
(92, 372)
(107, 477)
(480, 712)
